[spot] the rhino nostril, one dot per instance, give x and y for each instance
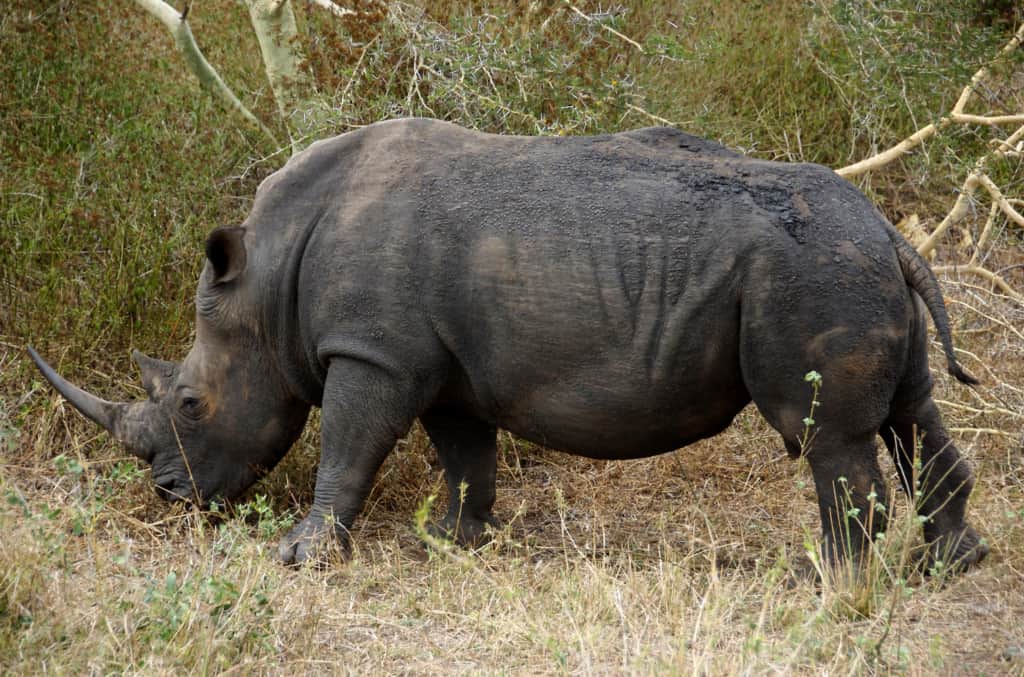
(165, 489)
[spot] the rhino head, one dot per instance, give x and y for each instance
(216, 422)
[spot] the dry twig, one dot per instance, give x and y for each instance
(605, 26)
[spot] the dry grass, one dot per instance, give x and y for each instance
(686, 563)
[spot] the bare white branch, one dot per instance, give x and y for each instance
(887, 156)
(991, 120)
(274, 24)
(168, 16)
(1012, 145)
(197, 63)
(650, 115)
(333, 8)
(958, 211)
(998, 197)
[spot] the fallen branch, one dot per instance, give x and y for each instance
(1012, 145)
(980, 412)
(959, 210)
(981, 431)
(999, 199)
(197, 63)
(985, 274)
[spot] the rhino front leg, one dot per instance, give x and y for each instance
(468, 451)
(365, 411)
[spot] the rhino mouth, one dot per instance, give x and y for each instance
(175, 489)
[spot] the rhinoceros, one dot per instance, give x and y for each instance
(614, 296)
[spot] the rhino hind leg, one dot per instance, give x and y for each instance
(938, 478)
(841, 434)
(929, 465)
(842, 455)
(852, 494)
(467, 448)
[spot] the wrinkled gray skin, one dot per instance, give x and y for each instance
(611, 296)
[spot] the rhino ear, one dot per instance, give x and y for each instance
(225, 250)
(157, 375)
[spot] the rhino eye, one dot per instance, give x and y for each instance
(192, 407)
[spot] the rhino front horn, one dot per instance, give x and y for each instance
(107, 414)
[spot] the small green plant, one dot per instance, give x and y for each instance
(814, 378)
(167, 604)
(8, 431)
(68, 465)
(177, 602)
(259, 508)
(124, 473)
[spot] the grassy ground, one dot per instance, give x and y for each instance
(114, 166)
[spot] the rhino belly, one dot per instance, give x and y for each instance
(604, 413)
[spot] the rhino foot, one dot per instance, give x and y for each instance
(956, 551)
(314, 539)
(466, 530)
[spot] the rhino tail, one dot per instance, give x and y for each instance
(920, 278)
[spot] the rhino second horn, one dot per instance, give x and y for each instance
(157, 375)
(106, 414)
